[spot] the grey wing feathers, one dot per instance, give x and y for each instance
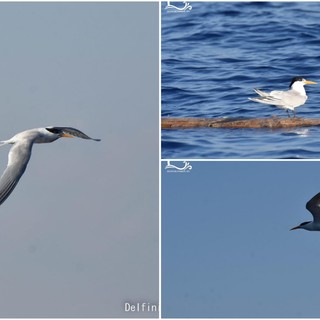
(19, 156)
(313, 206)
(288, 99)
(7, 184)
(265, 98)
(261, 93)
(76, 133)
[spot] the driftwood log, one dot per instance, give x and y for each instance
(272, 123)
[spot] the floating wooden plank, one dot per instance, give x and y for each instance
(273, 123)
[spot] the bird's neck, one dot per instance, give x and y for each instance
(299, 87)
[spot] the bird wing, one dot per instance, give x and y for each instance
(74, 132)
(18, 159)
(267, 100)
(288, 99)
(261, 93)
(313, 206)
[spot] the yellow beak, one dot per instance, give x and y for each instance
(310, 82)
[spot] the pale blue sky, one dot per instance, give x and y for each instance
(226, 246)
(79, 234)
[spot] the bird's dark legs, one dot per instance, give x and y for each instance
(293, 111)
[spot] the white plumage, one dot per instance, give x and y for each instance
(20, 153)
(288, 100)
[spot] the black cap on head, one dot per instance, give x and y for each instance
(303, 223)
(54, 130)
(295, 79)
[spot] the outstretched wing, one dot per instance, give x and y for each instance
(70, 131)
(313, 205)
(18, 159)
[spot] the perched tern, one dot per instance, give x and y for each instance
(20, 153)
(313, 206)
(289, 100)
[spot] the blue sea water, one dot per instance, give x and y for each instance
(216, 53)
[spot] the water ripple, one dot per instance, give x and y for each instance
(213, 57)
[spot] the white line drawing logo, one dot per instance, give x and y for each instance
(171, 7)
(172, 168)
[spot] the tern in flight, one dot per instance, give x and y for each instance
(313, 206)
(20, 153)
(289, 100)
